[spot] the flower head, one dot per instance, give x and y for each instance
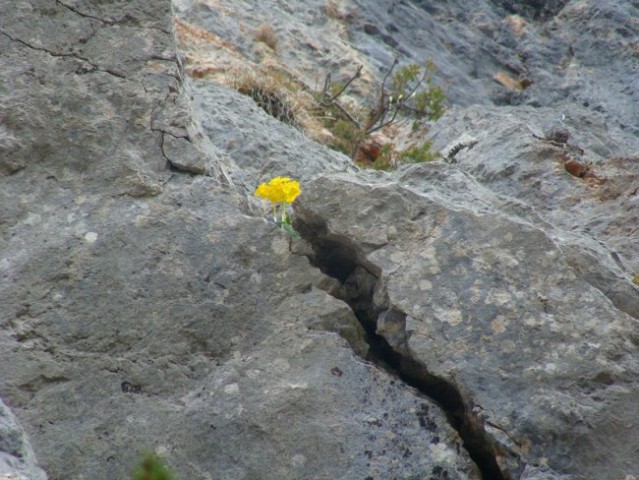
(279, 190)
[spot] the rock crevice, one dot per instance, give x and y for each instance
(386, 335)
(74, 55)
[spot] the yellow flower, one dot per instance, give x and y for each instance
(279, 190)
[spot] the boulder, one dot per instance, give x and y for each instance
(470, 292)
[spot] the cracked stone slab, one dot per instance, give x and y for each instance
(493, 304)
(147, 309)
(142, 308)
(205, 338)
(83, 96)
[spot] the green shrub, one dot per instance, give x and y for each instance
(409, 93)
(412, 89)
(430, 102)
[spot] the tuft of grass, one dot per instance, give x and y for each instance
(272, 93)
(419, 154)
(151, 467)
(346, 136)
(280, 95)
(333, 10)
(266, 35)
(385, 159)
(389, 157)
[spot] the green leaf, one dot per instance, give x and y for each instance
(288, 228)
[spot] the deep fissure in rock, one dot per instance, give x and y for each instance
(340, 260)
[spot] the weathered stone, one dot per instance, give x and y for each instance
(260, 146)
(183, 156)
(153, 339)
(481, 318)
(147, 308)
(510, 156)
(493, 303)
(17, 460)
(574, 53)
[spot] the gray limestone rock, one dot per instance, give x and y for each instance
(494, 304)
(470, 318)
(17, 460)
(148, 303)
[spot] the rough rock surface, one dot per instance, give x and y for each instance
(573, 52)
(147, 304)
(470, 318)
(455, 278)
(17, 460)
(257, 146)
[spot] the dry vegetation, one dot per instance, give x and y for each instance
(364, 134)
(365, 129)
(188, 34)
(266, 35)
(279, 95)
(333, 10)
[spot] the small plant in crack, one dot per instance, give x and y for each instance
(281, 191)
(152, 467)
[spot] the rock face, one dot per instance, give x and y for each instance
(487, 301)
(470, 318)
(147, 304)
(17, 460)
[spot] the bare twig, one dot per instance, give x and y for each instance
(393, 99)
(372, 128)
(327, 85)
(390, 70)
(328, 100)
(417, 85)
(348, 116)
(378, 114)
(348, 82)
